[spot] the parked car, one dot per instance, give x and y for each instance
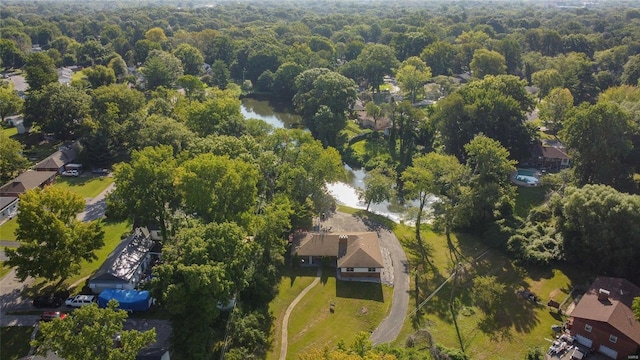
(80, 300)
(51, 315)
(101, 171)
(73, 173)
(50, 300)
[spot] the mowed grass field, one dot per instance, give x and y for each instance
(86, 186)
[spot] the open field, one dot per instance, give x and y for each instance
(14, 341)
(86, 186)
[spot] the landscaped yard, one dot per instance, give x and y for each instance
(87, 186)
(358, 307)
(529, 197)
(11, 131)
(14, 341)
(7, 230)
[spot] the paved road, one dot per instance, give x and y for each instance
(95, 208)
(390, 327)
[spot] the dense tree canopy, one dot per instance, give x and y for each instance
(11, 159)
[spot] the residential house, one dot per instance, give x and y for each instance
(57, 160)
(356, 255)
(26, 181)
(603, 319)
(153, 353)
(128, 264)
(8, 207)
(550, 157)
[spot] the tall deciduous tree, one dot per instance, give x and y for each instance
(546, 80)
(11, 159)
(161, 69)
(203, 268)
(493, 195)
(53, 242)
(555, 108)
(377, 188)
(191, 58)
(440, 57)
(92, 333)
(100, 75)
(40, 70)
(599, 139)
(487, 293)
(323, 97)
(10, 102)
(144, 188)
(58, 109)
(377, 61)
(412, 75)
(219, 114)
(486, 62)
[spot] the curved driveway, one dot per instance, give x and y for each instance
(390, 327)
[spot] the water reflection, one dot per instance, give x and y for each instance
(272, 113)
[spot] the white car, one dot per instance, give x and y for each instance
(73, 173)
(80, 300)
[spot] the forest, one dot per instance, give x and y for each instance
(444, 99)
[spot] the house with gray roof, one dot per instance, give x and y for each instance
(26, 181)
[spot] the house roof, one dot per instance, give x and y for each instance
(122, 263)
(152, 353)
(57, 160)
(26, 181)
(360, 249)
(550, 152)
(616, 310)
(5, 201)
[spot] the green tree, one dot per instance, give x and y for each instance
(193, 87)
(10, 102)
(119, 67)
(11, 159)
(10, 54)
(555, 108)
(40, 70)
(599, 226)
(546, 80)
(219, 74)
(599, 140)
(203, 267)
(219, 114)
(100, 75)
(144, 188)
(161, 130)
(323, 97)
(374, 111)
(57, 109)
(191, 58)
(53, 242)
(377, 61)
(487, 293)
(492, 194)
(412, 75)
(631, 71)
(161, 69)
(217, 188)
(636, 307)
(439, 56)
(486, 62)
(284, 80)
(92, 333)
(377, 188)
(155, 34)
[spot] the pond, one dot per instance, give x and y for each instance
(345, 193)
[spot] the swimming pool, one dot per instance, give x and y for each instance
(531, 180)
(527, 172)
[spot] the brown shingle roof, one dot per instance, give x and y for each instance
(57, 160)
(356, 250)
(616, 310)
(26, 181)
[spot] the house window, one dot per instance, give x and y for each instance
(349, 269)
(587, 328)
(372, 270)
(613, 338)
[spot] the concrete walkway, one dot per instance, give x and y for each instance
(284, 344)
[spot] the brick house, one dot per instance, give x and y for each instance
(603, 319)
(356, 255)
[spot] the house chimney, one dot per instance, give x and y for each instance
(603, 295)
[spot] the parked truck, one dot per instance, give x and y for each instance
(129, 300)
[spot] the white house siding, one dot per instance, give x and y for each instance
(360, 270)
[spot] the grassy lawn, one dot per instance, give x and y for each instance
(87, 186)
(358, 307)
(14, 341)
(292, 282)
(3, 270)
(7, 230)
(514, 326)
(529, 197)
(9, 132)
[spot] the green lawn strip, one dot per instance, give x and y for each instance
(7, 230)
(11, 131)
(14, 341)
(292, 282)
(86, 186)
(3, 270)
(358, 307)
(529, 197)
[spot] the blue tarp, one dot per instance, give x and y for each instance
(131, 300)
